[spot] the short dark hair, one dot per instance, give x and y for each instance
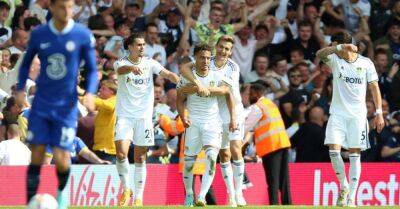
(342, 38)
(202, 47)
(31, 22)
(261, 27)
(297, 49)
(151, 24)
(276, 59)
(293, 69)
(131, 39)
(4, 5)
(305, 23)
(259, 86)
(380, 51)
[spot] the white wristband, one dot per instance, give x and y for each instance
(378, 111)
(339, 47)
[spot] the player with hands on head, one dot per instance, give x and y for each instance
(348, 126)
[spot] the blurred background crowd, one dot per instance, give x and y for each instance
(275, 41)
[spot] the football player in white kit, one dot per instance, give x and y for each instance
(134, 109)
(231, 141)
(203, 123)
(348, 126)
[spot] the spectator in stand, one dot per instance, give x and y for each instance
(390, 42)
(391, 145)
(12, 150)
(39, 9)
(355, 13)
(5, 31)
(153, 47)
(114, 48)
(297, 57)
(280, 68)
(261, 63)
(380, 15)
(19, 41)
(104, 122)
(309, 139)
(134, 19)
(83, 9)
(382, 68)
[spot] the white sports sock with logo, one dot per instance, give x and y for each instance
(188, 174)
(227, 174)
(140, 179)
(354, 174)
(123, 172)
(338, 167)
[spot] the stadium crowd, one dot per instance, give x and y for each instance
(275, 42)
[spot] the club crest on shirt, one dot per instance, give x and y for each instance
(359, 70)
(70, 46)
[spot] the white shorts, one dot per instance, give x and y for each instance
(228, 136)
(199, 135)
(139, 130)
(347, 132)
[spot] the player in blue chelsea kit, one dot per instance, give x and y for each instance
(61, 45)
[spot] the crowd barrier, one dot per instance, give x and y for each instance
(311, 184)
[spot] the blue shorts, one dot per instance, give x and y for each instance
(46, 130)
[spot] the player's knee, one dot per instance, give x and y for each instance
(224, 155)
(121, 155)
(140, 158)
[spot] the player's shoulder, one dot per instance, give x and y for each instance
(233, 65)
(81, 28)
(364, 60)
(365, 2)
(41, 30)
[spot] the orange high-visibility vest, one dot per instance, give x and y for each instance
(270, 133)
(175, 127)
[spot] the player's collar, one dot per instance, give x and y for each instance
(65, 30)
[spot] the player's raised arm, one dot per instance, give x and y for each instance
(169, 75)
(323, 53)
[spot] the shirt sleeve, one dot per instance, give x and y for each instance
(252, 119)
(366, 10)
(79, 145)
(371, 73)
(156, 67)
(331, 60)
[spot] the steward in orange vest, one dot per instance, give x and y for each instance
(271, 141)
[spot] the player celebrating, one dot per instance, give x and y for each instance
(60, 44)
(226, 67)
(348, 126)
(134, 108)
(204, 125)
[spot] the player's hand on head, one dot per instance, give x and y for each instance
(379, 123)
(88, 102)
(350, 47)
(136, 70)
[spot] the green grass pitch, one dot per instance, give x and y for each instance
(221, 207)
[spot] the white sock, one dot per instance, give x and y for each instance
(123, 172)
(140, 179)
(338, 167)
(188, 174)
(238, 172)
(354, 174)
(227, 174)
(208, 176)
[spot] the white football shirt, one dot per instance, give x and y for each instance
(203, 109)
(350, 80)
(135, 94)
(14, 152)
(231, 72)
